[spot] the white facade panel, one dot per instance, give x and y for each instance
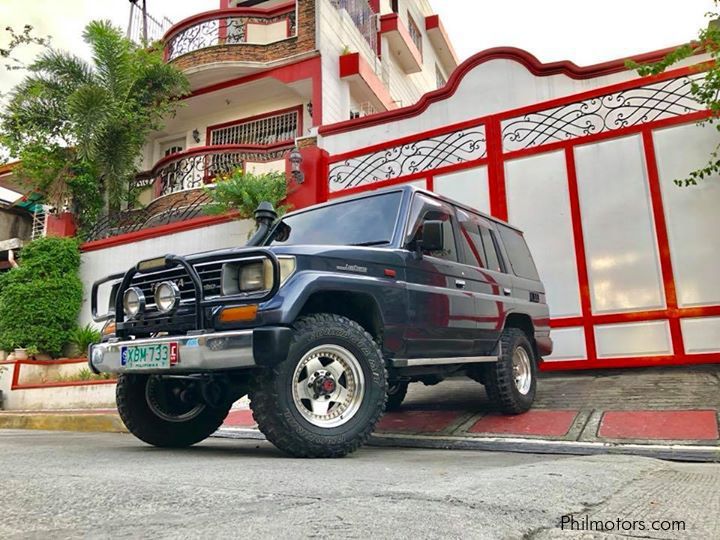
(539, 203)
(701, 335)
(633, 339)
(568, 344)
(618, 227)
(468, 186)
(103, 262)
(691, 213)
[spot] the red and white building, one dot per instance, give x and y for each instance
(583, 159)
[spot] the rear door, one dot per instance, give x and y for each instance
(442, 311)
(487, 278)
(528, 291)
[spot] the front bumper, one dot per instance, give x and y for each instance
(216, 351)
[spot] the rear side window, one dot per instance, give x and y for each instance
(493, 260)
(479, 245)
(472, 240)
(518, 253)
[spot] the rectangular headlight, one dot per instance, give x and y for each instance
(252, 277)
(246, 277)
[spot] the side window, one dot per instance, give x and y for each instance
(471, 240)
(518, 253)
(490, 247)
(428, 209)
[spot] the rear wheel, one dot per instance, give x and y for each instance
(326, 397)
(396, 394)
(511, 382)
(166, 412)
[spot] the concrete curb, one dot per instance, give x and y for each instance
(63, 421)
(679, 452)
(111, 423)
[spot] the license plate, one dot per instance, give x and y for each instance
(162, 355)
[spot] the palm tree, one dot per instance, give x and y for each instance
(93, 116)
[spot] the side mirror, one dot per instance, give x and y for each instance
(433, 238)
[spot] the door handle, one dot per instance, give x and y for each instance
(460, 284)
(506, 291)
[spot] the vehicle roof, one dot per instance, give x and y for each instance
(405, 189)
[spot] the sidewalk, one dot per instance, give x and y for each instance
(665, 412)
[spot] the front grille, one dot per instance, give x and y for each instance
(183, 318)
(210, 275)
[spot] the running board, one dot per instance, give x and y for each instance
(412, 362)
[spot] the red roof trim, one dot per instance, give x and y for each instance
(530, 62)
(8, 167)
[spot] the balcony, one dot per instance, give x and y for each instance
(238, 41)
(176, 181)
(440, 41)
(402, 43)
(199, 166)
(365, 83)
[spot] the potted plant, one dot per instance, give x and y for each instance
(20, 353)
(82, 337)
(34, 353)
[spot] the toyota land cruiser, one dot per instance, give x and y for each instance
(323, 319)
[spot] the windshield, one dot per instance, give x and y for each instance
(369, 221)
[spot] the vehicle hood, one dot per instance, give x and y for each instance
(381, 255)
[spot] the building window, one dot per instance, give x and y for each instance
(440, 79)
(415, 34)
(394, 6)
(265, 130)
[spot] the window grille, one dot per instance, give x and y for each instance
(263, 131)
(415, 33)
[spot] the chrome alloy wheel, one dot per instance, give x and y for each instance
(522, 370)
(328, 386)
(165, 399)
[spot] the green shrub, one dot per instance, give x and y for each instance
(242, 192)
(51, 256)
(84, 336)
(40, 300)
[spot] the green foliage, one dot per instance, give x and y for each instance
(705, 90)
(40, 300)
(19, 39)
(242, 192)
(80, 126)
(51, 256)
(84, 336)
(83, 375)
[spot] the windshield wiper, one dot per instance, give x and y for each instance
(374, 243)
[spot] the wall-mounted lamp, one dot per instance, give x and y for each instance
(310, 108)
(196, 135)
(295, 162)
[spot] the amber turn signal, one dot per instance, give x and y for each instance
(239, 314)
(108, 329)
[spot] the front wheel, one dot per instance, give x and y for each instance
(166, 412)
(511, 382)
(325, 399)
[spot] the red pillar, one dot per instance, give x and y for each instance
(313, 190)
(60, 224)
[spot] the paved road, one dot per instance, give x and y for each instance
(67, 485)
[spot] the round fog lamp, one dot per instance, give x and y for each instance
(133, 301)
(167, 296)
